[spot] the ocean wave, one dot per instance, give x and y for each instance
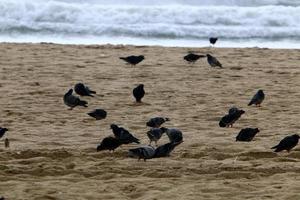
(172, 21)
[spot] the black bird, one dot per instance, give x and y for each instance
(212, 61)
(229, 119)
(144, 152)
(247, 134)
(139, 93)
(155, 134)
(213, 40)
(73, 101)
(109, 143)
(156, 122)
(192, 58)
(83, 90)
(98, 114)
(287, 143)
(165, 150)
(173, 134)
(258, 98)
(2, 131)
(123, 135)
(133, 60)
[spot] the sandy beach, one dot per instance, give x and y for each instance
(53, 155)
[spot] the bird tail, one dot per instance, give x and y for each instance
(274, 147)
(122, 58)
(250, 103)
(83, 103)
(135, 140)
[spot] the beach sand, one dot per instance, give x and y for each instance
(53, 150)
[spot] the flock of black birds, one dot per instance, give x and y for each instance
(123, 136)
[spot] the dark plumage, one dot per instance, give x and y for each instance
(213, 40)
(173, 134)
(73, 101)
(258, 98)
(144, 152)
(165, 150)
(123, 135)
(83, 90)
(212, 61)
(109, 143)
(155, 134)
(247, 134)
(287, 143)
(98, 114)
(192, 58)
(2, 131)
(230, 118)
(133, 60)
(139, 93)
(156, 122)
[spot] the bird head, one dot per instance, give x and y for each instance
(296, 136)
(208, 55)
(113, 126)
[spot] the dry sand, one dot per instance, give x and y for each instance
(53, 150)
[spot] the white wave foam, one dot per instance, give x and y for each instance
(169, 21)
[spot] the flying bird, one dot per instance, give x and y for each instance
(73, 101)
(174, 135)
(98, 114)
(247, 134)
(165, 150)
(143, 152)
(139, 93)
(109, 143)
(258, 98)
(123, 135)
(83, 90)
(192, 58)
(230, 118)
(133, 60)
(2, 131)
(212, 61)
(287, 143)
(213, 40)
(156, 122)
(155, 134)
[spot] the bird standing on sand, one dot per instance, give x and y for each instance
(165, 150)
(247, 134)
(133, 60)
(123, 135)
(109, 143)
(212, 61)
(83, 90)
(287, 143)
(233, 115)
(213, 40)
(258, 98)
(192, 58)
(143, 152)
(98, 114)
(73, 101)
(155, 134)
(139, 93)
(2, 131)
(174, 135)
(156, 122)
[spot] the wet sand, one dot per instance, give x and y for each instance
(53, 150)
